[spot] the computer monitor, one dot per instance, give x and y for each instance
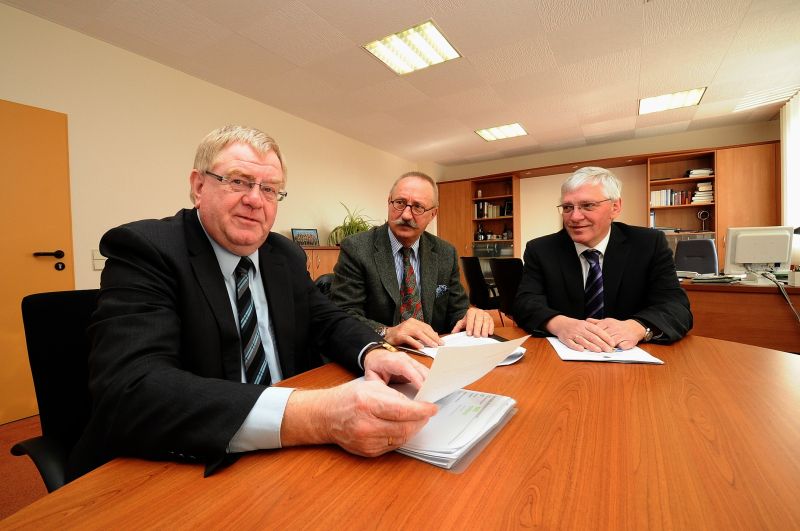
(753, 250)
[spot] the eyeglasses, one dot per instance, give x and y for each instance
(569, 208)
(244, 186)
(416, 208)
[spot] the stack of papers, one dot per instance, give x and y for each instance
(634, 355)
(710, 278)
(465, 418)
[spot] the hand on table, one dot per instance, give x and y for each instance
(581, 335)
(476, 323)
(414, 333)
(624, 334)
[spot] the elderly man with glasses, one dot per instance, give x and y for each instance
(402, 281)
(199, 313)
(599, 284)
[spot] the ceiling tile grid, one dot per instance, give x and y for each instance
(570, 71)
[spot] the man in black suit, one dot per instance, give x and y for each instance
(168, 375)
(634, 296)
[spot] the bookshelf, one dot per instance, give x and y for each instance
(680, 201)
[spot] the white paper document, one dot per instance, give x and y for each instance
(634, 355)
(455, 367)
(461, 339)
(463, 420)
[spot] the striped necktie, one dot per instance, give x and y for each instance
(255, 362)
(593, 301)
(410, 302)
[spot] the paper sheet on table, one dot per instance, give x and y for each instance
(455, 367)
(634, 355)
(461, 339)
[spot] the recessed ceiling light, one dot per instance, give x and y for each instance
(766, 97)
(413, 49)
(501, 131)
(665, 102)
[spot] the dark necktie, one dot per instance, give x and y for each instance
(593, 305)
(256, 369)
(410, 303)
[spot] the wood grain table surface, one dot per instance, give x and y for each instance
(709, 440)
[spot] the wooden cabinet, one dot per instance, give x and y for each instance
(749, 189)
(320, 260)
(678, 198)
(454, 220)
(744, 190)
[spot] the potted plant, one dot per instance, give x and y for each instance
(354, 222)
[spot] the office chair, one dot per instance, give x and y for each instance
(507, 273)
(481, 294)
(699, 256)
(324, 283)
(58, 351)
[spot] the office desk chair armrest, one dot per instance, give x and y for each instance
(48, 456)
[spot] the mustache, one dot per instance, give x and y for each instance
(403, 223)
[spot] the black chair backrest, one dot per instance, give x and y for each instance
(507, 273)
(324, 282)
(478, 288)
(699, 256)
(58, 351)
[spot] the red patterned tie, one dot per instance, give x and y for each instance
(410, 305)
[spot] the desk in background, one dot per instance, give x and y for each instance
(750, 314)
(707, 441)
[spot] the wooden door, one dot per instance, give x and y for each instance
(35, 217)
(747, 192)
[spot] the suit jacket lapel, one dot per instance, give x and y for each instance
(614, 261)
(278, 287)
(384, 264)
(570, 266)
(209, 277)
(428, 264)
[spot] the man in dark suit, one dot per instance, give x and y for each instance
(372, 270)
(169, 376)
(633, 293)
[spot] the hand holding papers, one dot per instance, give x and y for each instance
(634, 355)
(455, 367)
(465, 418)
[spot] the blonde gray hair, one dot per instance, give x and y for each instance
(219, 139)
(612, 187)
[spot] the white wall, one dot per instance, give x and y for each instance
(134, 125)
(540, 195)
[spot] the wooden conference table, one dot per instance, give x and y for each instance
(710, 440)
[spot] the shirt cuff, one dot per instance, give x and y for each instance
(261, 430)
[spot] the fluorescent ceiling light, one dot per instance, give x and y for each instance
(766, 97)
(665, 102)
(413, 49)
(501, 131)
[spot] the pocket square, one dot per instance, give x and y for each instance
(441, 289)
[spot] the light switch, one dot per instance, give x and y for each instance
(98, 265)
(96, 255)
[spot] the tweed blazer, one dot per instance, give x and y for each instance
(365, 282)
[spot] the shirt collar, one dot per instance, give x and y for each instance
(579, 247)
(396, 245)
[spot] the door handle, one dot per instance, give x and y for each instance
(58, 253)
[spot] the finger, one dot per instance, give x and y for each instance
(459, 326)
(572, 343)
(470, 325)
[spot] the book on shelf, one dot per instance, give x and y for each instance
(699, 172)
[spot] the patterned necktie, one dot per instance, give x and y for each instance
(255, 362)
(593, 304)
(410, 303)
